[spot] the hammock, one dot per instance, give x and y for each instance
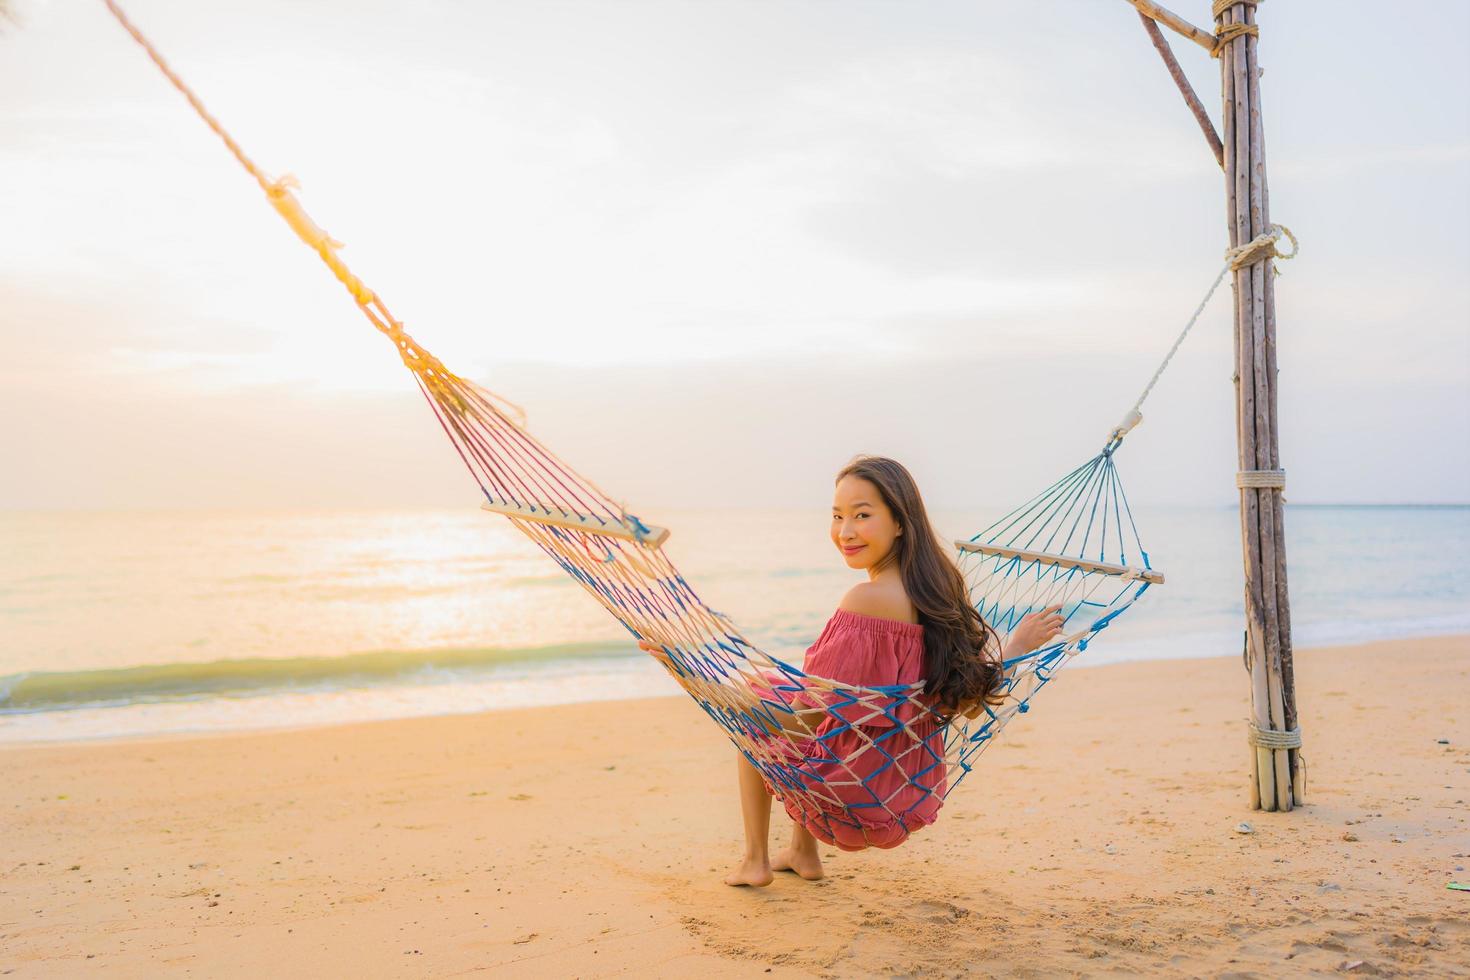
(1074, 544)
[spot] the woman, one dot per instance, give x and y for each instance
(864, 784)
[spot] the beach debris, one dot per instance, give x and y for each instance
(1349, 836)
(1397, 838)
(1109, 849)
(1353, 965)
(1328, 886)
(524, 939)
(1457, 887)
(1244, 828)
(1442, 741)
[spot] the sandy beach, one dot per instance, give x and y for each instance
(1098, 836)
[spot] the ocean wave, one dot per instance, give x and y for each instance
(57, 690)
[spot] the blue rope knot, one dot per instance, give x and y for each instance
(639, 529)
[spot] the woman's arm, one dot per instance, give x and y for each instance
(1032, 631)
(800, 720)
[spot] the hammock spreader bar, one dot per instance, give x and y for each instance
(1062, 561)
(644, 534)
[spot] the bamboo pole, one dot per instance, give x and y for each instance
(1237, 169)
(1196, 108)
(1175, 23)
(1289, 759)
(1275, 784)
(1265, 509)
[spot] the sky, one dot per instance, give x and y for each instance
(716, 249)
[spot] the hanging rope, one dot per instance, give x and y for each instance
(1260, 248)
(430, 370)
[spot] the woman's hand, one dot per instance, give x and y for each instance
(657, 652)
(1034, 630)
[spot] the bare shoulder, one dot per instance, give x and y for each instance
(879, 600)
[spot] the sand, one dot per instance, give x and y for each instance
(1098, 836)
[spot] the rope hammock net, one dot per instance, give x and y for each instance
(1074, 544)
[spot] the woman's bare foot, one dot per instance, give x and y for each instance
(804, 862)
(751, 871)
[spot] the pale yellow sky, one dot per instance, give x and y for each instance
(715, 249)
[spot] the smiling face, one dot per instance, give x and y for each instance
(863, 528)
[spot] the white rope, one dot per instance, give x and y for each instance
(1261, 479)
(1268, 739)
(1262, 247)
(1182, 334)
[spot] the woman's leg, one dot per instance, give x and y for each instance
(755, 809)
(801, 856)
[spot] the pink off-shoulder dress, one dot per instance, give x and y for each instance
(859, 780)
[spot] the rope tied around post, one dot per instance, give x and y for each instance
(1262, 247)
(1226, 33)
(1268, 738)
(1220, 6)
(1271, 739)
(1261, 479)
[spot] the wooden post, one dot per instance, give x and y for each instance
(1278, 778)
(1277, 782)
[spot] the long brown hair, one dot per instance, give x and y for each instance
(961, 651)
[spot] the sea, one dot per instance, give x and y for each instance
(132, 624)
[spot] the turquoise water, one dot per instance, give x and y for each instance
(138, 623)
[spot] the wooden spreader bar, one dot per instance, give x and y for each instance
(1127, 572)
(653, 538)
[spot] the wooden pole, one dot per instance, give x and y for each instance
(1277, 784)
(1274, 498)
(1175, 23)
(1196, 108)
